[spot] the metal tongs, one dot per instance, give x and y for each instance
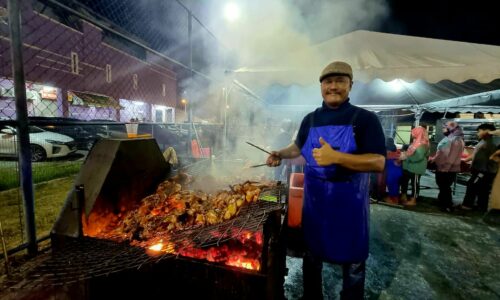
(256, 166)
(261, 149)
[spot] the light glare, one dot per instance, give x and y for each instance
(396, 85)
(156, 247)
(231, 12)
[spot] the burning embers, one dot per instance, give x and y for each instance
(243, 252)
(187, 223)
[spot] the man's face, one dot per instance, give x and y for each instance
(335, 89)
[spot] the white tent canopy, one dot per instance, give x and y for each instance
(425, 70)
(375, 55)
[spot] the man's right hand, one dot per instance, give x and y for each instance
(274, 159)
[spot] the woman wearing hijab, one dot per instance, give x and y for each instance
(447, 159)
(414, 165)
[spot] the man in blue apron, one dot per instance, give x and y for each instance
(341, 144)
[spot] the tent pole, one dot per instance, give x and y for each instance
(419, 112)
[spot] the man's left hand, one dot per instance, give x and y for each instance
(325, 155)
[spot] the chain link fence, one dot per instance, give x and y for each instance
(91, 68)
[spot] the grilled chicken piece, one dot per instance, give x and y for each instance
(172, 209)
(168, 188)
(211, 217)
(230, 211)
(200, 219)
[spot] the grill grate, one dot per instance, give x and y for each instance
(86, 258)
(251, 218)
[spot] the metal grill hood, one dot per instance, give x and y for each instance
(114, 169)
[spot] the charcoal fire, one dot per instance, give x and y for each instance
(162, 223)
(125, 232)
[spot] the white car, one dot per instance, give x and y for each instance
(44, 144)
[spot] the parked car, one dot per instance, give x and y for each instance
(166, 135)
(81, 133)
(163, 135)
(44, 144)
(108, 129)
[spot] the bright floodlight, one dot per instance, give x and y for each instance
(396, 85)
(231, 12)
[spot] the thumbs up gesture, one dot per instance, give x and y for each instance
(325, 155)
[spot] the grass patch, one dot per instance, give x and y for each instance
(49, 199)
(42, 171)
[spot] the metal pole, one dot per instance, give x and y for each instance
(4, 247)
(189, 112)
(418, 115)
(22, 124)
(190, 37)
(226, 95)
(224, 141)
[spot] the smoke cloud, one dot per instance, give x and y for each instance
(265, 31)
(268, 29)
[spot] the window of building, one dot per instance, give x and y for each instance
(74, 63)
(108, 73)
(135, 82)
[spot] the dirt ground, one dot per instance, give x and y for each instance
(420, 255)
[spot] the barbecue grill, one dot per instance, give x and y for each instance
(198, 262)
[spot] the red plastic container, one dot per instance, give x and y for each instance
(295, 200)
(199, 152)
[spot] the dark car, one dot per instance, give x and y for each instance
(75, 128)
(165, 135)
(108, 128)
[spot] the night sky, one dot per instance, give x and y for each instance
(473, 21)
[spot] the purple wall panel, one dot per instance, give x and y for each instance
(47, 56)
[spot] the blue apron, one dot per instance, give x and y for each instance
(335, 215)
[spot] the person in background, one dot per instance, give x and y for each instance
(170, 156)
(483, 170)
(447, 160)
(495, 192)
(341, 143)
(377, 187)
(393, 171)
(414, 165)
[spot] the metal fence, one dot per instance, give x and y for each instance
(72, 72)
